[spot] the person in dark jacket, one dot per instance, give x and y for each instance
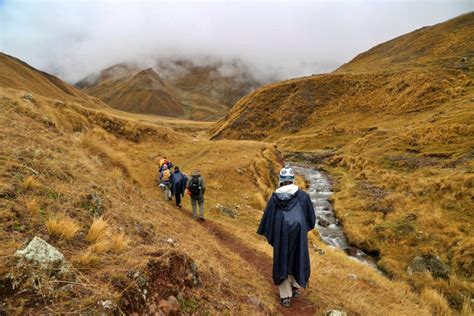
(197, 188)
(178, 185)
(287, 219)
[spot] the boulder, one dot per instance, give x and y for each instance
(46, 256)
(323, 222)
(351, 251)
(430, 263)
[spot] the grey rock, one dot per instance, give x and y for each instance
(336, 312)
(323, 222)
(29, 97)
(430, 263)
(227, 211)
(40, 252)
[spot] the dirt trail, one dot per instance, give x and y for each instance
(261, 262)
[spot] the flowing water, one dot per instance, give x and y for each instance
(327, 224)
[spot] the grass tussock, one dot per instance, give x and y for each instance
(86, 258)
(97, 230)
(33, 206)
(30, 183)
(100, 246)
(62, 227)
(119, 243)
(436, 301)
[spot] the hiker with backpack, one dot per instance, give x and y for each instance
(165, 175)
(287, 219)
(178, 182)
(196, 189)
(165, 162)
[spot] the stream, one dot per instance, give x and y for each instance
(327, 224)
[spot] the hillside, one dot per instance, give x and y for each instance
(140, 91)
(446, 45)
(203, 92)
(83, 180)
(15, 73)
(394, 128)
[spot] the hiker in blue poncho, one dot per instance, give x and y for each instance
(288, 218)
(178, 182)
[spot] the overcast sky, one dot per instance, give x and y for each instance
(74, 38)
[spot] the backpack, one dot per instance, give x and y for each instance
(166, 175)
(195, 187)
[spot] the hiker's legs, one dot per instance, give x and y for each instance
(285, 289)
(193, 204)
(293, 282)
(201, 207)
(178, 199)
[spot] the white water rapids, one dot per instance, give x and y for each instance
(327, 224)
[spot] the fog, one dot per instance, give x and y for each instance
(275, 39)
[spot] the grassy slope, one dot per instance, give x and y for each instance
(398, 121)
(140, 92)
(56, 155)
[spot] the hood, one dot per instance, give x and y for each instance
(285, 196)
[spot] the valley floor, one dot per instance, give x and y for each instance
(59, 160)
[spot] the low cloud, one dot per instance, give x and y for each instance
(274, 39)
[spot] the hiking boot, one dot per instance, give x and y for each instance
(296, 292)
(201, 219)
(285, 302)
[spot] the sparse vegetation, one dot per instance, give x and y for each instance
(62, 227)
(30, 183)
(119, 243)
(98, 230)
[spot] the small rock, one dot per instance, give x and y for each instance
(42, 253)
(227, 211)
(254, 301)
(107, 304)
(353, 276)
(429, 263)
(323, 222)
(59, 103)
(28, 97)
(351, 251)
(239, 171)
(336, 312)
(171, 242)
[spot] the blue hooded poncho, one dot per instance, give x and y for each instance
(286, 222)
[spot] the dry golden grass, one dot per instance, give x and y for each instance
(30, 183)
(100, 246)
(119, 243)
(85, 258)
(436, 301)
(148, 220)
(98, 230)
(62, 227)
(33, 206)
